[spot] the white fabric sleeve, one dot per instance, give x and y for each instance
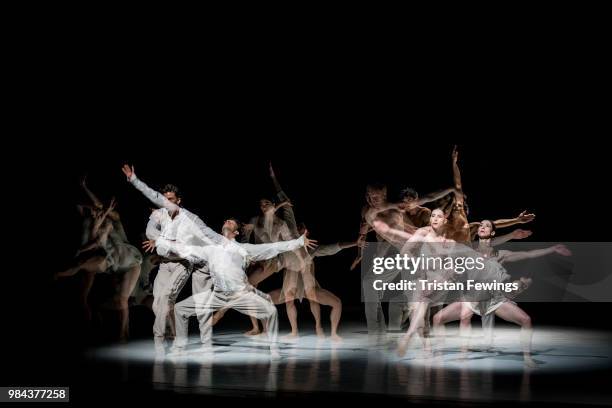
(261, 252)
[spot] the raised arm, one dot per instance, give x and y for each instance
(285, 205)
(96, 202)
(154, 196)
(511, 256)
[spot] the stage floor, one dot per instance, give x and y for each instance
(573, 367)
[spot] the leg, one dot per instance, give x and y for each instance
(182, 312)
(315, 309)
(262, 272)
(448, 314)
(258, 305)
(465, 324)
(170, 279)
(510, 312)
(396, 314)
(91, 267)
(416, 323)
(128, 282)
(292, 314)
(327, 298)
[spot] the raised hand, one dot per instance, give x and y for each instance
(455, 154)
(128, 171)
(281, 205)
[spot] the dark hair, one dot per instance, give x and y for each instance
(409, 192)
(236, 220)
(171, 188)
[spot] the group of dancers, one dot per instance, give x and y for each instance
(227, 267)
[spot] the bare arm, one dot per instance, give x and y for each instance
(516, 234)
(523, 218)
(96, 202)
(385, 230)
(457, 177)
(510, 256)
(433, 196)
(332, 249)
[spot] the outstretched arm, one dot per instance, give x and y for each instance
(385, 230)
(332, 249)
(457, 177)
(516, 234)
(523, 218)
(434, 196)
(261, 252)
(154, 196)
(536, 253)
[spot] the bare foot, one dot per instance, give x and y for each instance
(253, 332)
(335, 338)
(291, 337)
(320, 332)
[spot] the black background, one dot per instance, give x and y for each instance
(531, 133)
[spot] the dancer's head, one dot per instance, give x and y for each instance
(437, 219)
(376, 194)
(172, 193)
(266, 205)
(231, 228)
(407, 197)
(486, 229)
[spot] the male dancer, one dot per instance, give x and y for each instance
(173, 222)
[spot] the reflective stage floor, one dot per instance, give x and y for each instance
(573, 367)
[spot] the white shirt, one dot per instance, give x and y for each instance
(227, 261)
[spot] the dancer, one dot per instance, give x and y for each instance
(191, 240)
(460, 229)
(174, 222)
(499, 303)
(227, 261)
(397, 217)
(300, 284)
(436, 233)
(108, 251)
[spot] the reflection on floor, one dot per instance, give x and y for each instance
(363, 364)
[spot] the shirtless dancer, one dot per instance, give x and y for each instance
(395, 215)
